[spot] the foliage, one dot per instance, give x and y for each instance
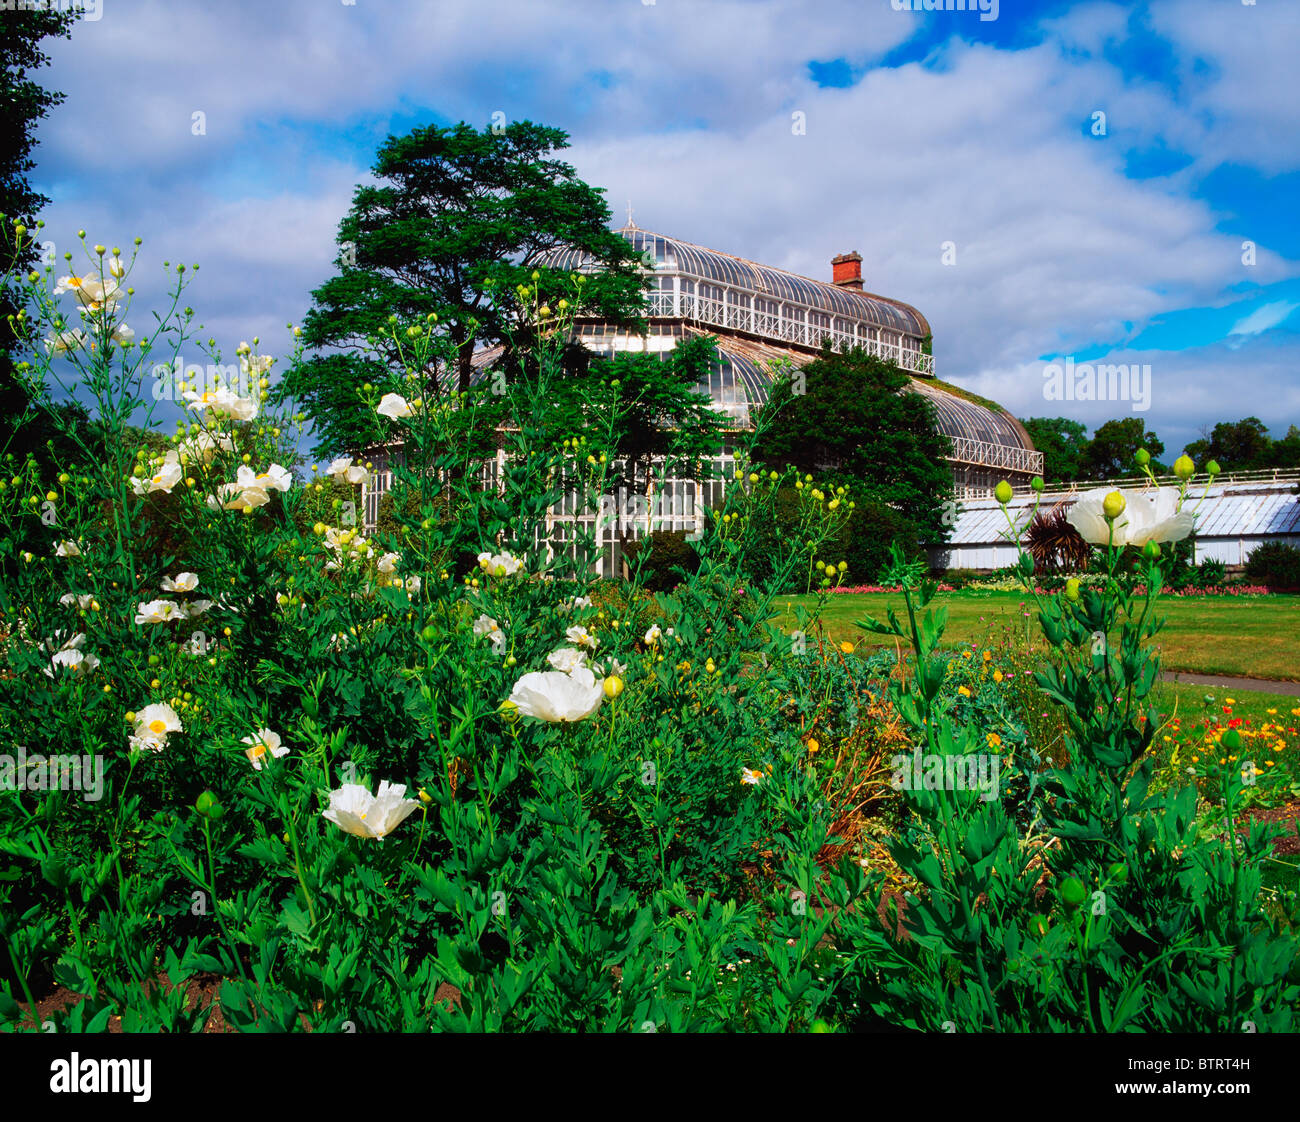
(849, 414)
(1055, 545)
(1111, 450)
(1132, 919)
(580, 849)
(457, 220)
(1063, 443)
(669, 559)
(1275, 565)
(1246, 446)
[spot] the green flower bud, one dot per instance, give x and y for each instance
(1073, 893)
(1113, 506)
(1118, 873)
(1143, 457)
(1072, 589)
(1037, 484)
(1231, 740)
(1151, 551)
(1212, 468)
(1184, 468)
(1002, 492)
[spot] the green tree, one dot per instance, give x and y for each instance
(1285, 453)
(851, 414)
(25, 104)
(1111, 450)
(457, 221)
(658, 400)
(1237, 445)
(1062, 443)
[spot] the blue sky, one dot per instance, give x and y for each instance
(1164, 233)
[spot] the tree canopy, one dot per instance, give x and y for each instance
(25, 103)
(852, 415)
(458, 219)
(1062, 442)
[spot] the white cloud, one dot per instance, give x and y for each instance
(1264, 317)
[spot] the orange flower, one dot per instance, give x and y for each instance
(963, 691)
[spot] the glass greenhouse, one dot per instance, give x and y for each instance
(763, 319)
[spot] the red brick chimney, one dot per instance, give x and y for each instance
(847, 270)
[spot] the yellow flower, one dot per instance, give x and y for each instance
(963, 691)
(813, 745)
(846, 647)
(1230, 701)
(997, 675)
(988, 656)
(994, 740)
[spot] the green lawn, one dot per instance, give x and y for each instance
(1247, 637)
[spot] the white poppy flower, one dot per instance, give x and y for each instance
(393, 405)
(76, 661)
(203, 446)
(122, 335)
(413, 586)
(750, 777)
(262, 744)
(344, 471)
(67, 284)
(555, 696)
(388, 562)
(567, 659)
(485, 625)
(581, 637)
(164, 479)
(68, 549)
(222, 402)
(500, 564)
(59, 642)
(274, 478)
(147, 742)
(84, 600)
(238, 497)
(653, 635)
(1147, 517)
(184, 582)
(256, 365)
(66, 341)
(157, 720)
(95, 293)
(159, 611)
(195, 608)
(354, 810)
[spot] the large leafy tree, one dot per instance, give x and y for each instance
(1111, 450)
(1062, 442)
(852, 415)
(457, 220)
(1236, 445)
(23, 104)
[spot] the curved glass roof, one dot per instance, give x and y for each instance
(743, 375)
(673, 256)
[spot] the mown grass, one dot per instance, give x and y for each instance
(1244, 637)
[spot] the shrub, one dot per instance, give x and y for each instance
(668, 559)
(1275, 565)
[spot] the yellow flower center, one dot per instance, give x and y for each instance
(158, 726)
